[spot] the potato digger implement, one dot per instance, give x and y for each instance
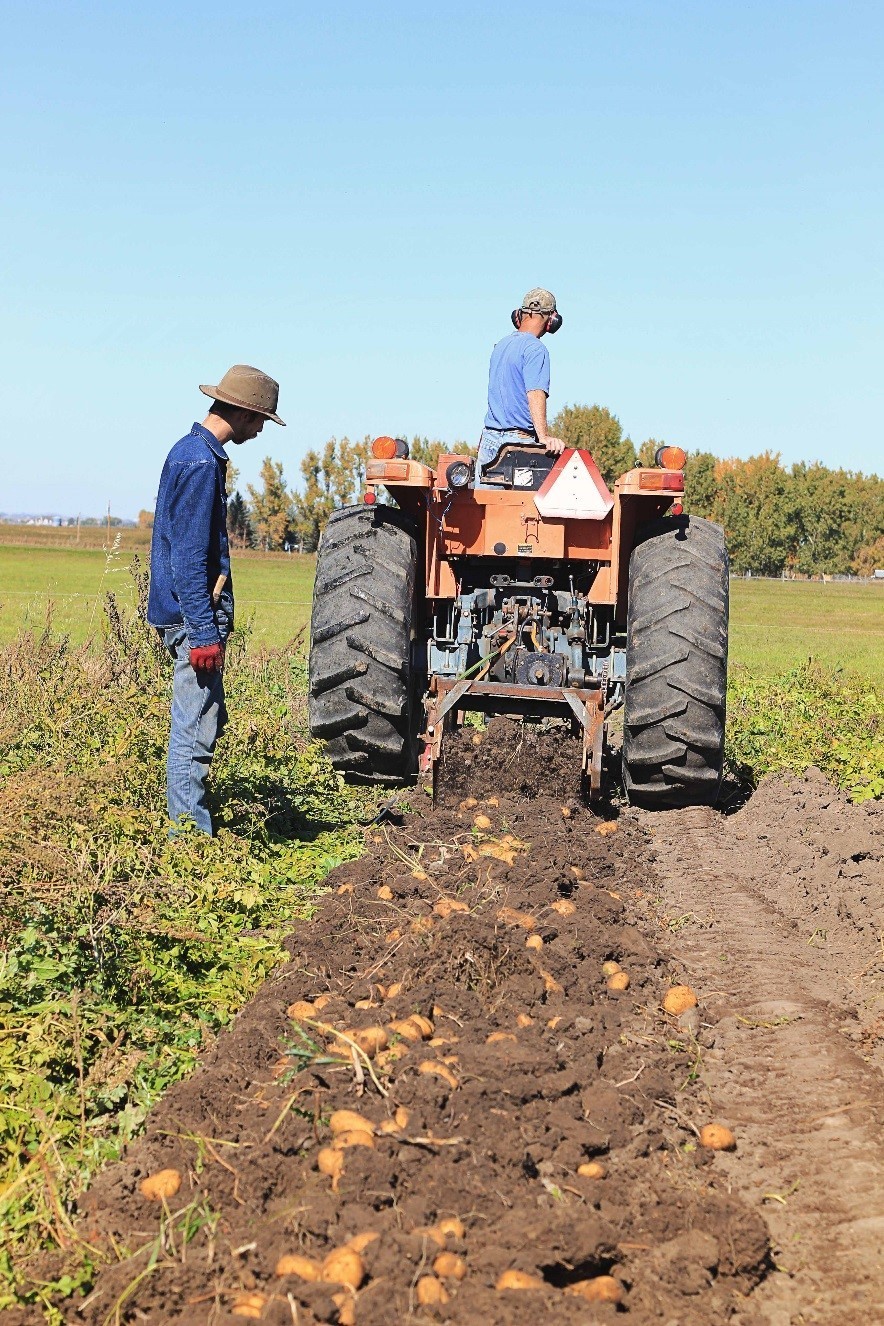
(541, 595)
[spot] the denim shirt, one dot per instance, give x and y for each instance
(190, 549)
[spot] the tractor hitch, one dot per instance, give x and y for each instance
(449, 696)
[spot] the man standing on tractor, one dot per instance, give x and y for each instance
(518, 383)
(191, 591)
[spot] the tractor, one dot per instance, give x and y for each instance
(540, 595)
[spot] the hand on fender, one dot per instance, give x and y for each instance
(554, 446)
(207, 658)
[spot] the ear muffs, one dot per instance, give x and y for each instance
(554, 321)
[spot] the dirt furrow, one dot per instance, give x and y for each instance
(776, 916)
(533, 1129)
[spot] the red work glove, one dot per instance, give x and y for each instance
(207, 658)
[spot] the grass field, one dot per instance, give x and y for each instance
(775, 625)
(272, 589)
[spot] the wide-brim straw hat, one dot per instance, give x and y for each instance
(248, 388)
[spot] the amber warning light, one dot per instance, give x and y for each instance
(389, 448)
(670, 458)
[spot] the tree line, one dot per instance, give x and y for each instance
(804, 519)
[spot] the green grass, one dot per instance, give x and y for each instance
(273, 590)
(779, 625)
(775, 625)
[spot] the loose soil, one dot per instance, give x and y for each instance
(531, 1067)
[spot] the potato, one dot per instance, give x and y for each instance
(385, 893)
(365, 1003)
(550, 984)
(604, 829)
(292, 1263)
(678, 999)
(388, 1128)
(491, 801)
(498, 852)
(413, 1028)
(523, 1020)
(421, 925)
(448, 1266)
(393, 936)
(717, 1138)
(431, 1232)
(429, 1290)
(320, 1002)
(402, 1116)
(301, 1008)
(495, 1037)
(619, 981)
(249, 1305)
(344, 888)
(435, 1069)
(468, 803)
(563, 906)
(554, 1022)
(509, 916)
(343, 1266)
(445, 906)
(353, 1137)
(451, 1227)
(579, 873)
(534, 941)
(600, 1289)
(331, 1162)
(566, 812)
(346, 1305)
(157, 1187)
(519, 1280)
(344, 1121)
(482, 823)
(610, 968)
(478, 738)
(369, 1039)
(394, 990)
(359, 1242)
(591, 1169)
(387, 1058)
(408, 1030)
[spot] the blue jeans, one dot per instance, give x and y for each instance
(199, 715)
(490, 443)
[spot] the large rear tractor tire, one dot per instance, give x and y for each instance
(676, 664)
(361, 702)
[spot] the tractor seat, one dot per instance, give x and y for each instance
(524, 468)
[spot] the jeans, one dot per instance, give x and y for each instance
(490, 443)
(199, 715)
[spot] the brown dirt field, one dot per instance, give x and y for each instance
(537, 1068)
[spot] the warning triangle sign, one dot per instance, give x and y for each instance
(574, 489)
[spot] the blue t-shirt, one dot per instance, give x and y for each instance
(519, 364)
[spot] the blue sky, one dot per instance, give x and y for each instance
(354, 196)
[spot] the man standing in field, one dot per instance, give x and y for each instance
(191, 590)
(518, 383)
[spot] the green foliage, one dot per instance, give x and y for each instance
(428, 450)
(239, 522)
(598, 431)
(271, 507)
(332, 479)
(809, 716)
(125, 952)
